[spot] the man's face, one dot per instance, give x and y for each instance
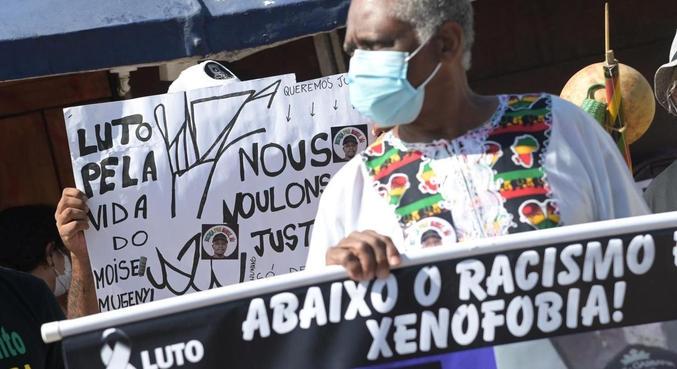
(219, 246)
(350, 149)
(371, 27)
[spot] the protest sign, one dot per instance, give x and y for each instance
(442, 307)
(195, 190)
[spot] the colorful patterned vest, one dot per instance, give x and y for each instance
(488, 182)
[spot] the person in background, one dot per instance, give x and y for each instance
(71, 212)
(26, 304)
(30, 242)
(661, 195)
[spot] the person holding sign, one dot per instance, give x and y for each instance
(464, 165)
(71, 221)
(71, 213)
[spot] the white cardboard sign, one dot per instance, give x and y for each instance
(195, 190)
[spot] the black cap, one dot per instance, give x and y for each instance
(220, 236)
(431, 233)
(349, 139)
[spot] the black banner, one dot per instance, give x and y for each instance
(416, 317)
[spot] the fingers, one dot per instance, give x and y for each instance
(365, 255)
(392, 252)
(71, 198)
(69, 230)
(346, 258)
(70, 209)
(71, 214)
(376, 246)
(73, 192)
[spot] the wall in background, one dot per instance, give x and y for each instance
(521, 46)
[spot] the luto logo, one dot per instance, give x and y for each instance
(173, 355)
(116, 349)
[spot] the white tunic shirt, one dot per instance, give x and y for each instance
(538, 162)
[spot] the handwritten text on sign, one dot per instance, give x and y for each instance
(195, 190)
(539, 291)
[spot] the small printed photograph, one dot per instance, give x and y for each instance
(217, 71)
(347, 141)
(431, 238)
(219, 242)
(431, 232)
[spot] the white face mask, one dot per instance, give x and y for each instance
(63, 281)
(380, 90)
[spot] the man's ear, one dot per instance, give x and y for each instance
(50, 247)
(452, 38)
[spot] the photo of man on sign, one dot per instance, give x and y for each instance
(219, 243)
(350, 146)
(348, 141)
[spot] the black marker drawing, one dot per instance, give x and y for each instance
(164, 264)
(166, 267)
(289, 113)
(312, 110)
(186, 140)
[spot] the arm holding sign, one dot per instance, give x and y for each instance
(71, 220)
(336, 239)
(365, 255)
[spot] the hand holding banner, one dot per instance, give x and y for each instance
(515, 288)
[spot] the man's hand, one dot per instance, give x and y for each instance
(71, 220)
(365, 255)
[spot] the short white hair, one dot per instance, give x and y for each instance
(426, 16)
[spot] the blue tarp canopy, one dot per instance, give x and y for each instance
(46, 37)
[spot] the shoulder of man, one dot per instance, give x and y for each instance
(32, 292)
(15, 277)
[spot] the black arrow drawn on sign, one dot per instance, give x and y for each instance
(335, 104)
(289, 113)
(312, 110)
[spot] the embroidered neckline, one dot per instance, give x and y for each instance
(430, 148)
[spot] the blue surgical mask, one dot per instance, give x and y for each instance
(380, 90)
